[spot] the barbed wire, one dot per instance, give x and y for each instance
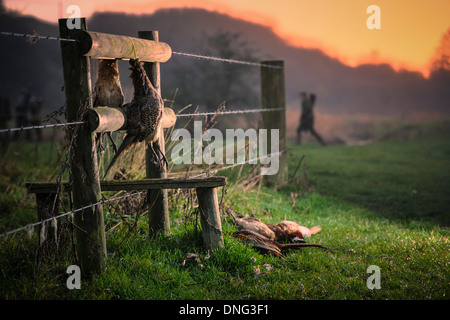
(219, 59)
(190, 74)
(35, 36)
(236, 164)
(130, 194)
(227, 112)
(103, 201)
(178, 115)
(43, 126)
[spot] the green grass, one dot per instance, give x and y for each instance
(396, 179)
(383, 204)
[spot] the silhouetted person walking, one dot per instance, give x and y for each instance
(307, 118)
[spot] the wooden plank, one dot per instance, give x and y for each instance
(129, 185)
(46, 187)
(163, 183)
(210, 218)
(158, 213)
(110, 46)
(90, 231)
(104, 119)
(273, 96)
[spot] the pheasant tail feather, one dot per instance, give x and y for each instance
(128, 141)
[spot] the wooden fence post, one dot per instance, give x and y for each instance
(89, 224)
(210, 218)
(273, 96)
(158, 213)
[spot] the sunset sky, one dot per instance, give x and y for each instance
(410, 29)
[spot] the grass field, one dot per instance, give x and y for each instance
(384, 204)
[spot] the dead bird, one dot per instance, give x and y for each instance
(254, 224)
(107, 92)
(289, 230)
(144, 114)
(284, 231)
(268, 246)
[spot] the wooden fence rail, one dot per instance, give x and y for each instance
(109, 46)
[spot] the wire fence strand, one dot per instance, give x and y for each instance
(178, 115)
(103, 201)
(130, 194)
(228, 112)
(219, 59)
(206, 173)
(35, 36)
(43, 126)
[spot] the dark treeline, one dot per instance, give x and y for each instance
(366, 89)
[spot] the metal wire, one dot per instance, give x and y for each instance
(103, 201)
(43, 126)
(228, 112)
(178, 115)
(36, 36)
(234, 165)
(198, 56)
(185, 54)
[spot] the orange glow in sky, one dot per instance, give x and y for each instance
(409, 35)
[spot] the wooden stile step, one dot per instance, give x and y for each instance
(129, 185)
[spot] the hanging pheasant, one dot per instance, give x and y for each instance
(144, 114)
(107, 92)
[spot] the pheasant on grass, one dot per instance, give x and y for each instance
(144, 114)
(253, 224)
(267, 246)
(283, 231)
(292, 231)
(107, 92)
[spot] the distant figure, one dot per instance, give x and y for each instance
(5, 116)
(35, 108)
(307, 118)
(22, 109)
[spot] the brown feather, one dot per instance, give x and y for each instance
(266, 245)
(107, 88)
